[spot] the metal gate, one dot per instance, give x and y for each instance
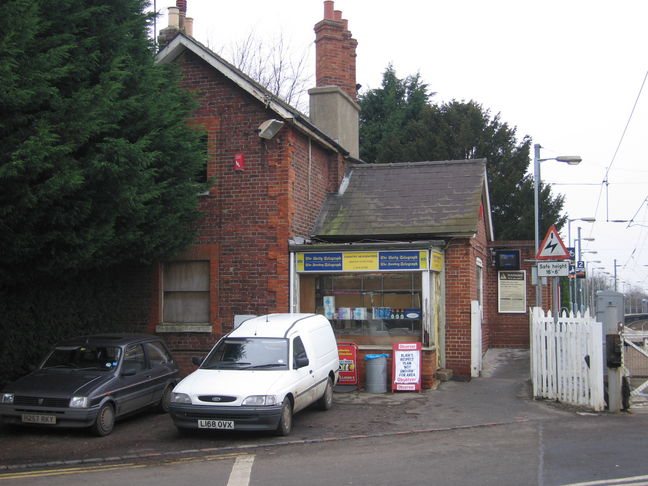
(635, 364)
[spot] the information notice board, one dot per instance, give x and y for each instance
(406, 368)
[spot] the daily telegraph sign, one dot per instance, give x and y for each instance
(363, 261)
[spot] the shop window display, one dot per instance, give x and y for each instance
(371, 308)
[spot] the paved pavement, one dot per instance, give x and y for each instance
(500, 396)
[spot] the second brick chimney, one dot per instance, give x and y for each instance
(333, 106)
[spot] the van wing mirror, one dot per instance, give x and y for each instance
(301, 361)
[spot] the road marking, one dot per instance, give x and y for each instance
(241, 471)
(62, 472)
(634, 481)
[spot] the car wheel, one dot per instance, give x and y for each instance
(105, 420)
(326, 401)
(163, 404)
(285, 422)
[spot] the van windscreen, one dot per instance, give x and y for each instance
(248, 353)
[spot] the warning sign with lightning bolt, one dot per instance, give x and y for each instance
(552, 247)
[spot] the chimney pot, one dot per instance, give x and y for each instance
(338, 14)
(189, 26)
(328, 10)
(174, 17)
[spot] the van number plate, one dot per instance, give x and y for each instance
(215, 424)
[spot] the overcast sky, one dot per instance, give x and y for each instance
(565, 72)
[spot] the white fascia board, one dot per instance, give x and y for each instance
(487, 210)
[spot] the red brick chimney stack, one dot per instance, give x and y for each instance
(335, 52)
(182, 5)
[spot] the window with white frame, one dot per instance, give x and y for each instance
(186, 292)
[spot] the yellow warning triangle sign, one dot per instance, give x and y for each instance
(552, 247)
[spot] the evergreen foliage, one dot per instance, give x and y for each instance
(97, 165)
(399, 123)
(36, 315)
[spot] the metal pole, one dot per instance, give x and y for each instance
(536, 188)
(570, 280)
(615, 276)
(579, 296)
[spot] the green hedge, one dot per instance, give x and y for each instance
(35, 316)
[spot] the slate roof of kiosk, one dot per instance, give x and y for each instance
(407, 199)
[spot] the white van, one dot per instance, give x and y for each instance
(259, 374)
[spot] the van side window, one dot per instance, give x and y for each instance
(299, 352)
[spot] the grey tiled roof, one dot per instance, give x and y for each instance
(407, 199)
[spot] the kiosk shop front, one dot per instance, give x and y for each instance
(373, 298)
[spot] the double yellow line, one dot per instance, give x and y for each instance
(66, 471)
(42, 473)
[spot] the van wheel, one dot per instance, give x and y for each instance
(285, 422)
(326, 400)
(105, 420)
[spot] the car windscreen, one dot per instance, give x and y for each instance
(248, 353)
(86, 357)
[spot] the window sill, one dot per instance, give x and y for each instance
(165, 327)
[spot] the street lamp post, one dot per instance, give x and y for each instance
(568, 159)
(578, 286)
(589, 295)
(572, 282)
(615, 274)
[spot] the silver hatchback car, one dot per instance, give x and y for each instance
(91, 381)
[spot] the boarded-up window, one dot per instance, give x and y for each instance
(186, 292)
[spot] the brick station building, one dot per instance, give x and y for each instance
(296, 223)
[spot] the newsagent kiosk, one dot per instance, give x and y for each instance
(374, 295)
(397, 256)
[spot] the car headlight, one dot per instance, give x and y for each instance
(260, 400)
(180, 398)
(7, 398)
(79, 402)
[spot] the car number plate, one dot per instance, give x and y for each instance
(215, 424)
(32, 418)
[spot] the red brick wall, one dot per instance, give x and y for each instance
(250, 214)
(512, 330)
(461, 288)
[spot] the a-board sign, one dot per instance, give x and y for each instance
(348, 354)
(406, 367)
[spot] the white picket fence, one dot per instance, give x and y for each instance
(567, 358)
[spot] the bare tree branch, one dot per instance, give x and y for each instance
(276, 66)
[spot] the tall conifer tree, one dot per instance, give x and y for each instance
(97, 163)
(399, 123)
